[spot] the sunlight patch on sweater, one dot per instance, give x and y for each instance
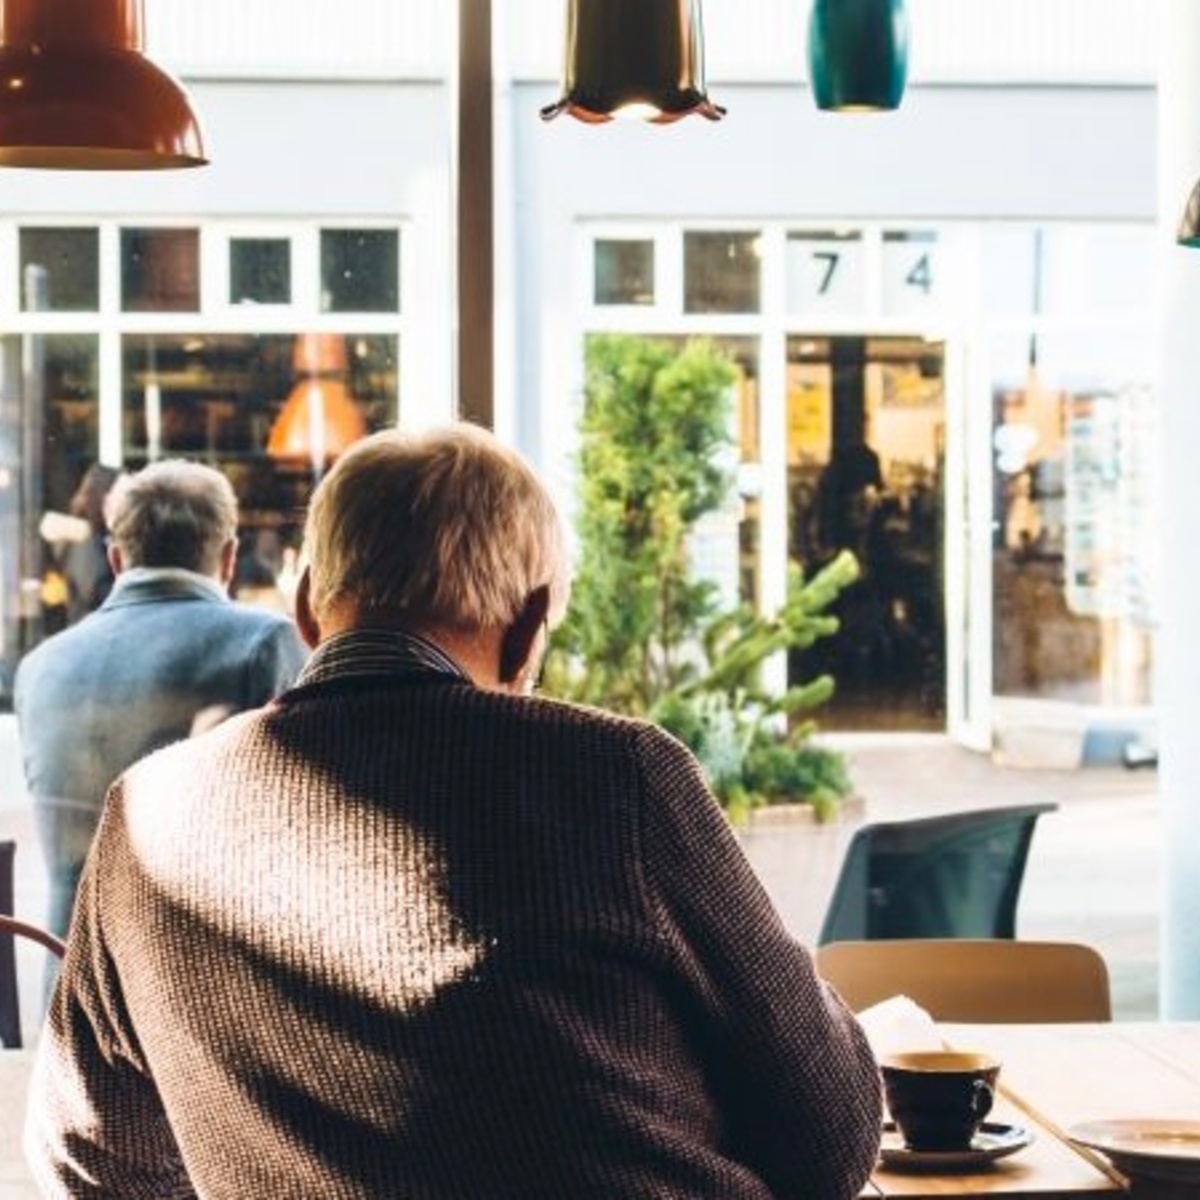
(341, 892)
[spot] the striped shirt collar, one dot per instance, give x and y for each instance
(362, 652)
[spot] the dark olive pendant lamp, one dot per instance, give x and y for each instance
(858, 54)
(1188, 233)
(637, 58)
(77, 93)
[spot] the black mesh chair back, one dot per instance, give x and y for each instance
(952, 876)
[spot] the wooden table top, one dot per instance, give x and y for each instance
(1053, 1076)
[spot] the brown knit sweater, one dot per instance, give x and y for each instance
(409, 939)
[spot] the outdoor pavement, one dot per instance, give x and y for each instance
(1093, 869)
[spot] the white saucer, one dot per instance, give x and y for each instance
(1148, 1147)
(993, 1141)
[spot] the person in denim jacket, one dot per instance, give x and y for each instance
(167, 650)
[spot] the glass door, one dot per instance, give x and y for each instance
(866, 450)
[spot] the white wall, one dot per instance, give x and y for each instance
(951, 41)
(762, 40)
(1179, 585)
(276, 149)
(949, 153)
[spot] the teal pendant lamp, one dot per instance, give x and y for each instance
(858, 54)
(1188, 233)
(633, 58)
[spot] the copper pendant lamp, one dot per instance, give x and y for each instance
(78, 94)
(636, 58)
(858, 54)
(320, 419)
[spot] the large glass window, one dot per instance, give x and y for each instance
(260, 271)
(49, 440)
(1074, 448)
(360, 270)
(252, 404)
(270, 405)
(160, 270)
(60, 269)
(721, 272)
(1074, 534)
(865, 443)
(624, 271)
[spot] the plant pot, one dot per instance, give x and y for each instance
(797, 858)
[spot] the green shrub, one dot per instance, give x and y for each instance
(645, 638)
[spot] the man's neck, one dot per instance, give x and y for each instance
(475, 652)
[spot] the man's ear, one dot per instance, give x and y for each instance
(306, 622)
(116, 559)
(228, 565)
(517, 644)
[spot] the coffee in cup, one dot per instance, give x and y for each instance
(939, 1098)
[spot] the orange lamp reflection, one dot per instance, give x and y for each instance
(320, 418)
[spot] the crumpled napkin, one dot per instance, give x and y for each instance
(899, 1024)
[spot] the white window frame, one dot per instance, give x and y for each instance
(215, 315)
(968, 717)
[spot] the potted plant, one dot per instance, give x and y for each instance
(645, 636)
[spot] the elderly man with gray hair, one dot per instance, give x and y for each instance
(414, 931)
(166, 649)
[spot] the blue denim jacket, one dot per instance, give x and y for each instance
(167, 650)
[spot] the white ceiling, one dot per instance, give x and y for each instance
(1074, 42)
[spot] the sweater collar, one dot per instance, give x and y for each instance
(363, 652)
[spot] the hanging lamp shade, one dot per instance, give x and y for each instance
(638, 58)
(858, 54)
(320, 418)
(319, 354)
(1188, 233)
(79, 94)
(318, 421)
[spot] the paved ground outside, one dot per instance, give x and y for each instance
(1093, 871)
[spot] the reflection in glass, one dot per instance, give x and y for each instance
(360, 270)
(721, 272)
(865, 441)
(61, 269)
(260, 271)
(160, 270)
(321, 417)
(1074, 449)
(745, 514)
(216, 397)
(49, 437)
(624, 271)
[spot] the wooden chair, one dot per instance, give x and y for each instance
(10, 1004)
(956, 875)
(10, 929)
(984, 980)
